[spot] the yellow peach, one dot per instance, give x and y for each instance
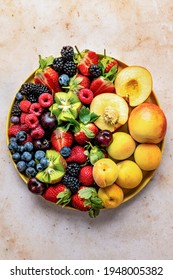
(105, 172)
(122, 146)
(147, 156)
(147, 123)
(112, 196)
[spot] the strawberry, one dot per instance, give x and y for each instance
(85, 81)
(110, 65)
(61, 138)
(77, 155)
(95, 153)
(47, 76)
(58, 194)
(101, 85)
(85, 60)
(78, 82)
(86, 175)
(86, 199)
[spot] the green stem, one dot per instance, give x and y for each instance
(78, 51)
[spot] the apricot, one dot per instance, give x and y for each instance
(147, 123)
(112, 196)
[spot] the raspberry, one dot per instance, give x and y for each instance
(22, 117)
(28, 139)
(37, 133)
(25, 105)
(45, 100)
(13, 130)
(36, 109)
(31, 120)
(86, 175)
(85, 96)
(25, 127)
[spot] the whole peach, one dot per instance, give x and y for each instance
(147, 123)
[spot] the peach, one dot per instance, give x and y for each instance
(111, 196)
(105, 172)
(147, 123)
(122, 146)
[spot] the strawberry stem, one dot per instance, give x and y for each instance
(78, 51)
(104, 52)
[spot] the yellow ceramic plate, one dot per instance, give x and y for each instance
(128, 193)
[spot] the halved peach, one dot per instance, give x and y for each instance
(112, 109)
(134, 83)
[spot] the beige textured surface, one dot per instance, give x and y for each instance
(136, 32)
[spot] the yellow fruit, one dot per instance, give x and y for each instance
(122, 146)
(112, 109)
(134, 83)
(112, 196)
(129, 174)
(147, 156)
(105, 172)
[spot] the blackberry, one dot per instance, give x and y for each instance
(58, 64)
(16, 111)
(67, 52)
(73, 169)
(71, 182)
(32, 98)
(70, 68)
(30, 88)
(95, 70)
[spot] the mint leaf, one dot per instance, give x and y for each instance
(44, 62)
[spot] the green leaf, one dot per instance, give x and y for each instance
(93, 213)
(87, 192)
(64, 198)
(111, 75)
(93, 117)
(88, 132)
(44, 62)
(85, 116)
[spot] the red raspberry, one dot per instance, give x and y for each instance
(13, 130)
(86, 175)
(25, 127)
(25, 105)
(22, 117)
(45, 100)
(32, 121)
(37, 133)
(28, 139)
(36, 109)
(85, 95)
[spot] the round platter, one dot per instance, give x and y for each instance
(128, 193)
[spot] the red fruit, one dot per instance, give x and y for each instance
(13, 130)
(28, 139)
(25, 127)
(25, 105)
(77, 155)
(36, 109)
(58, 194)
(78, 202)
(101, 85)
(22, 117)
(38, 132)
(31, 120)
(86, 132)
(110, 65)
(88, 58)
(47, 76)
(86, 96)
(45, 100)
(86, 175)
(85, 82)
(61, 138)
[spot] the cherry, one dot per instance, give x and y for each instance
(36, 186)
(42, 144)
(48, 121)
(103, 138)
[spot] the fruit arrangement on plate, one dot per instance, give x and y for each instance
(85, 131)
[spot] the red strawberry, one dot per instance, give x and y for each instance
(78, 82)
(58, 194)
(85, 82)
(77, 155)
(85, 133)
(61, 138)
(47, 76)
(86, 175)
(85, 59)
(79, 202)
(110, 65)
(101, 85)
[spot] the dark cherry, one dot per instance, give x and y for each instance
(42, 144)
(103, 138)
(36, 186)
(48, 121)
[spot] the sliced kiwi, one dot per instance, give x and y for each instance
(55, 170)
(67, 105)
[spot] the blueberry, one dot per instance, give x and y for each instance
(19, 96)
(21, 166)
(13, 139)
(26, 156)
(44, 162)
(64, 80)
(28, 146)
(39, 167)
(13, 147)
(30, 172)
(15, 119)
(21, 136)
(20, 149)
(39, 154)
(65, 151)
(31, 163)
(16, 157)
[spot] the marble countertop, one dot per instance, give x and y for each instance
(136, 32)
